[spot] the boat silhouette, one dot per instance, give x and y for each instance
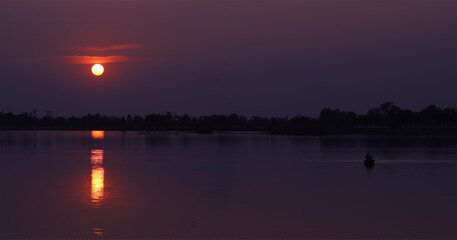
(369, 161)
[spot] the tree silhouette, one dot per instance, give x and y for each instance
(330, 121)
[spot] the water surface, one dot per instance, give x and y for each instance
(80, 184)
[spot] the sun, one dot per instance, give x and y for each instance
(97, 69)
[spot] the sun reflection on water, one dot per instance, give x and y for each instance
(98, 177)
(98, 172)
(98, 134)
(97, 231)
(96, 159)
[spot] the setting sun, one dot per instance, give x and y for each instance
(97, 69)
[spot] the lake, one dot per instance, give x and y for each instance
(83, 184)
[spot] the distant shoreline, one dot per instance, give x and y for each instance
(387, 119)
(451, 131)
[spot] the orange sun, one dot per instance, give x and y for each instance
(97, 69)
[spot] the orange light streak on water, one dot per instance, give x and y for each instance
(98, 177)
(98, 134)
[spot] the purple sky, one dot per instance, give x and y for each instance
(249, 57)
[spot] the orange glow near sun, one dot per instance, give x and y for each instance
(98, 134)
(97, 69)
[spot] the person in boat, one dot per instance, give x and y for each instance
(369, 162)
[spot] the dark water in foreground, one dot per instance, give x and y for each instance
(132, 185)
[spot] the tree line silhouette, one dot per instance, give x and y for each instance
(385, 118)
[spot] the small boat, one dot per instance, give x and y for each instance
(369, 161)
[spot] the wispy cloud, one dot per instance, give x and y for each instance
(95, 59)
(89, 58)
(112, 47)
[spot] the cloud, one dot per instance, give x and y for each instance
(86, 59)
(112, 47)
(95, 59)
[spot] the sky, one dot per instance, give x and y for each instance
(267, 58)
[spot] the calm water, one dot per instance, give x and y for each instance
(133, 185)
